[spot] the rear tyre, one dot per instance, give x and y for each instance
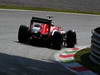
(57, 40)
(23, 34)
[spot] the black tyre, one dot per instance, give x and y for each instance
(71, 39)
(23, 34)
(57, 40)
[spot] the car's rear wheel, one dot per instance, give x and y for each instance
(23, 34)
(57, 40)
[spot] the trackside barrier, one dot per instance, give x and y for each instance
(95, 46)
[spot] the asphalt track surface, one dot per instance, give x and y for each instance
(27, 59)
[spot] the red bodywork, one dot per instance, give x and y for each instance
(44, 29)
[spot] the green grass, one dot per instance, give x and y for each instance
(83, 58)
(46, 9)
(80, 53)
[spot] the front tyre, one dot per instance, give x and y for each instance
(23, 34)
(71, 39)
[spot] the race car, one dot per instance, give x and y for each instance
(42, 29)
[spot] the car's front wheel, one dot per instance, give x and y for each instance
(71, 39)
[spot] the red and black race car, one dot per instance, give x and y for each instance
(42, 29)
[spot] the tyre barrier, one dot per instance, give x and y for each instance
(95, 46)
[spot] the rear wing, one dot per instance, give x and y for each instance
(40, 20)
